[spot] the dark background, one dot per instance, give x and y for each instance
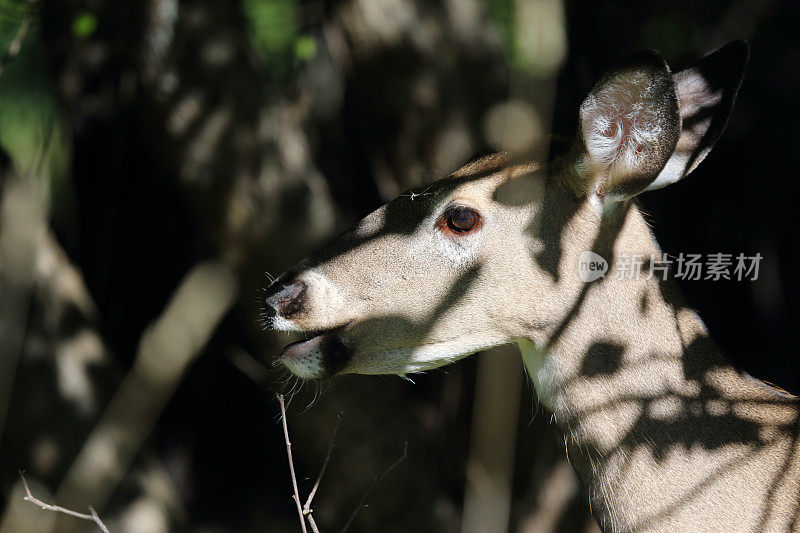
(158, 136)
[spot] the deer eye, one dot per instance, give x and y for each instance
(462, 219)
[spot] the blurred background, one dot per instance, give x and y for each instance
(161, 159)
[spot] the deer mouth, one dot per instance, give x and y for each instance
(320, 355)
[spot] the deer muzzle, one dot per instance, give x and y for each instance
(321, 355)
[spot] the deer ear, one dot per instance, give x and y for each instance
(706, 92)
(629, 127)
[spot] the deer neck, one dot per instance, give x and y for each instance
(646, 401)
(619, 337)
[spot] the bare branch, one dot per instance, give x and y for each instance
(296, 495)
(374, 483)
(307, 506)
(305, 512)
(312, 523)
(55, 508)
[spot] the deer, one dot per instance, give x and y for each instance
(662, 431)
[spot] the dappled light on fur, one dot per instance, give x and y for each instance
(165, 167)
(660, 428)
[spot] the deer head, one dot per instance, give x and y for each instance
(489, 255)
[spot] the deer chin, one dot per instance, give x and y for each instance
(414, 359)
(329, 352)
(321, 355)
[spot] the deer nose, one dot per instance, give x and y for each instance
(287, 299)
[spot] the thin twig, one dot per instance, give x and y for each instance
(47, 507)
(307, 506)
(307, 510)
(312, 523)
(296, 495)
(375, 481)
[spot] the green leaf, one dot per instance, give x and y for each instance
(305, 47)
(84, 24)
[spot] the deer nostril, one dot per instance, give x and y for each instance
(289, 293)
(288, 299)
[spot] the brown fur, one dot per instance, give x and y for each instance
(664, 434)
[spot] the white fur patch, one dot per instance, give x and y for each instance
(541, 375)
(618, 123)
(307, 366)
(459, 250)
(426, 356)
(281, 324)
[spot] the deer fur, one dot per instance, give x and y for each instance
(663, 432)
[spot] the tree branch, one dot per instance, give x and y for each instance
(307, 507)
(296, 495)
(305, 512)
(375, 481)
(92, 516)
